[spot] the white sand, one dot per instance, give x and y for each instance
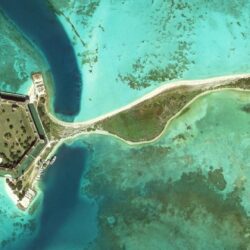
(215, 81)
(10, 193)
(32, 94)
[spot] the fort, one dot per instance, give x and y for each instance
(28, 136)
(22, 134)
(23, 140)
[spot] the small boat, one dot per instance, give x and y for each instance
(52, 160)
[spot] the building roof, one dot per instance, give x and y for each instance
(14, 97)
(37, 121)
(37, 77)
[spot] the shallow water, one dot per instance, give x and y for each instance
(19, 58)
(124, 49)
(188, 190)
(149, 42)
(65, 219)
(15, 225)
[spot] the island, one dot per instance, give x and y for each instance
(31, 134)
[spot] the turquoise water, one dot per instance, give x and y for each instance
(63, 219)
(188, 190)
(67, 220)
(40, 25)
(15, 225)
(125, 49)
(125, 46)
(21, 58)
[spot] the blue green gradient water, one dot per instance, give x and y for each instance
(64, 218)
(66, 215)
(40, 25)
(151, 42)
(188, 190)
(19, 58)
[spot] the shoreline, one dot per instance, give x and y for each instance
(204, 83)
(10, 193)
(131, 143)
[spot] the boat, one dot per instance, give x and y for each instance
(52, 160)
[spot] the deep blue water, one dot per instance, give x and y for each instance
(41, 26)
(67, 220)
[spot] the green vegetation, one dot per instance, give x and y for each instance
(17, 133)
(17, 187)
(147, 120)
(23, 137)
(52, 129)
(55, 130)
(243, 83)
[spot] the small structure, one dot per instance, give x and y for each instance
(27, 199)
(13, 97)
(37, 121)
(52, 160)
(37, 79)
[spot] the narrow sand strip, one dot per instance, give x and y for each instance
(103, 132)
(215, 81)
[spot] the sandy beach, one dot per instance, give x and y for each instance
(217, 81)
(204, 83)
(103, 132)
(10, 193)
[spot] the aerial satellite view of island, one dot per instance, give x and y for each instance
(124, 125)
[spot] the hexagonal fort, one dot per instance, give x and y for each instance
(22, 136)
